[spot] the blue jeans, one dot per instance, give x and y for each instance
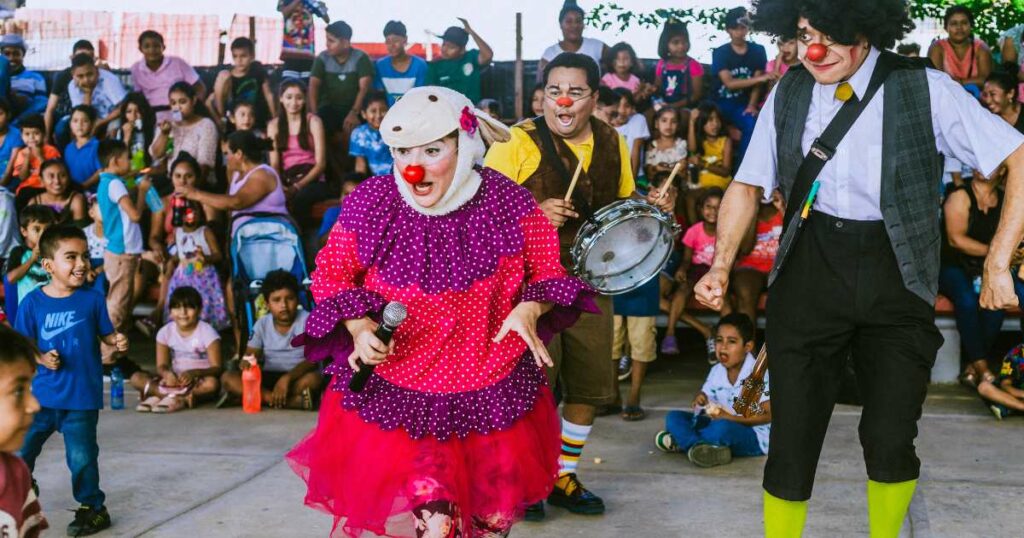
(732, 111)
(82, 451)
(978, 327)
(688, 431)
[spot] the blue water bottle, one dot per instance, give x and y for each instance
(153, 200)
(116, 389)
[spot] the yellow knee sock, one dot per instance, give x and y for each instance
(887, 507)
(782, 518)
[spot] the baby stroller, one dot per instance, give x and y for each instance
(265, 242)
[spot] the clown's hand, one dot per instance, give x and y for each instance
(522, 320)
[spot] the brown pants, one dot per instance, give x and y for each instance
(120, 270)
(583, 358)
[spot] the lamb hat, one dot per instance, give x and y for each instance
(430, 113)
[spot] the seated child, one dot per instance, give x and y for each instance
(188, 357)
(19, 506)
(23, 170)
(1006, 393)
(196, 253)
(68, 204)
(81, 153)
(24, 267)
(97, 244)
(633, 127)
(289, 380)
(371, 154)
(68, 321)
(243, 118)
(713, 433)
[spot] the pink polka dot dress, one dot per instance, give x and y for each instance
(451, 416)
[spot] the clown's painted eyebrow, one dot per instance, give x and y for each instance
(571, 88)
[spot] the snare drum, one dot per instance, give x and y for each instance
(623, 245)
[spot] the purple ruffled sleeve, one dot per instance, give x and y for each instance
(570, 297)
(323, 337)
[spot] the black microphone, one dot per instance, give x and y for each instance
(394, 315)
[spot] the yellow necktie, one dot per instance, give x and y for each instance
(844, 92)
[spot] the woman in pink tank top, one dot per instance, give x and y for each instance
(961, 55)
(300, 151)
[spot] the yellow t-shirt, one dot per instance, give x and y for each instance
(519, 158)
(714, 152)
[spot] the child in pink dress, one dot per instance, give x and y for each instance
(456, 432)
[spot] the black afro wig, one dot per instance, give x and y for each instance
(881, 22)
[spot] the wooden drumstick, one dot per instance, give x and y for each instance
(572, 185)
(663, 189)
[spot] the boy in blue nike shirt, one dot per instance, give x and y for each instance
(67, 320)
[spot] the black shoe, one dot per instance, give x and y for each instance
(576, 498)
(535, 512)
(88, 521)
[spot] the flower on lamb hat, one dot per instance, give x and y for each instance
(468, 121)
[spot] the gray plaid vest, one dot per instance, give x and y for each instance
(911, 167)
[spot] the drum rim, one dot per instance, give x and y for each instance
(591, 231)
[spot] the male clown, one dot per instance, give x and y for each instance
(860, 274)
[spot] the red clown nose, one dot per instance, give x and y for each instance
(565, 101)
(817, 52)
(413, 173)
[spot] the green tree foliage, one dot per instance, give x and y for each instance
(990, 16)
(610, 14)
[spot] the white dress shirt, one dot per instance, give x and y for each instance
(852, 180)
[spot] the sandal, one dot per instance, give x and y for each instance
(146, 406)
(170, 404)
(633, 413)
(307, 399)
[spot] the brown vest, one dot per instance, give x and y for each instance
(599, 186)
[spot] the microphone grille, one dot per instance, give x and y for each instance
(394, 314)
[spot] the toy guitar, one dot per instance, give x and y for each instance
(748, 403)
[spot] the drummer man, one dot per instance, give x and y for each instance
(582, 354)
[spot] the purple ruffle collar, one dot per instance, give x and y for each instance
(439, 253)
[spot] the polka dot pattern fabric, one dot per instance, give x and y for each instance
(459, 276)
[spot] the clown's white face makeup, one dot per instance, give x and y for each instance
(439, 160)
(569, 122)
(841, 61)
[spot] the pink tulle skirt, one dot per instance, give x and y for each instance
(387, 483)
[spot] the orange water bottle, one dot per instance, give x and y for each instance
(251, 386)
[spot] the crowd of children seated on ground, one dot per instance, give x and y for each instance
(91, 170)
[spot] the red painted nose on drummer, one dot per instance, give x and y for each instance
(413, 173)
(565, 101)
(817, 52)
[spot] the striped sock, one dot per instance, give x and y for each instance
(574, 437)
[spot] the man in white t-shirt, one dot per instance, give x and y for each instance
(713, 433)
(289, 381)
